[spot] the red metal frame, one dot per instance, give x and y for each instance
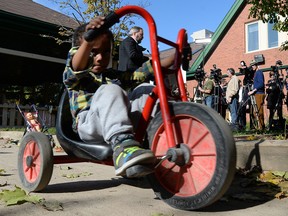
(61, 159)
(159, 90)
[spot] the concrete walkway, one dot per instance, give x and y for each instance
(97, 191)
(269, 154)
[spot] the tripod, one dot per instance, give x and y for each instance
(197, 97)
(254, 119)
(217, 101)
(275, 97)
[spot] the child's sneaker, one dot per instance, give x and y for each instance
(128, 154)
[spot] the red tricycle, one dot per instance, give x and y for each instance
(194, 146)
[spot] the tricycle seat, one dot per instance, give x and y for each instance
(70, 141)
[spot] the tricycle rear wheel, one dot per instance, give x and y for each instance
(210, 171)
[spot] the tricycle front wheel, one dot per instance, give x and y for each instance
(211, 166)
(35, 161)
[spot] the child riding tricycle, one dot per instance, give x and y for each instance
(186, 150)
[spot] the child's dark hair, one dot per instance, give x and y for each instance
(77, 35)
(80, 30)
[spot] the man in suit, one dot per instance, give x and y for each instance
(130, 52)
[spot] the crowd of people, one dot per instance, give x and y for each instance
(248, 96)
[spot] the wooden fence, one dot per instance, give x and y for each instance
(10, 116)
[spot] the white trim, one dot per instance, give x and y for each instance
(247, 36)
(31, 55)
(263, 37)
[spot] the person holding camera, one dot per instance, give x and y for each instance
(232, 97)
(286, 86)
(207, 90)
(274, 100)
(258, 91)
(244, 102)
(223, 104)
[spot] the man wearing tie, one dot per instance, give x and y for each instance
(130, 52)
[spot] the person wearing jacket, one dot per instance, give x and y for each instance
(259, 92)
(232, 95)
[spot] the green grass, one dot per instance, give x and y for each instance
(12, 129)
(51, 130)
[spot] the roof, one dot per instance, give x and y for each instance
(24, 49)
(196, 50)
(32, 10)
(222, 29)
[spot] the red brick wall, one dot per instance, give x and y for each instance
(231, 50)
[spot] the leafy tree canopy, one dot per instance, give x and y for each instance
(84, 10)
(272, 11)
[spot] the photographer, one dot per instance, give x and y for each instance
(285, 82)
(244, 100)
(274, 99)
(243, 105)
(232, 97)
(207, 90)
(199, 77)
(259, 93)
(223, 104)
(216, 75)
(248, 73)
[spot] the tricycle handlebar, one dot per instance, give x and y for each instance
(110, 20)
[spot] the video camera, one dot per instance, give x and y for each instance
(216, 74)
(248, 73)
(199, 74)
(275, 68)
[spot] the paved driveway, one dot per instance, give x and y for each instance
(95, 190)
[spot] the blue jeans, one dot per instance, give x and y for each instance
(233, 107)
(209, 101)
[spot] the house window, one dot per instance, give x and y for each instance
(261, 36)
(253, 37)
(272, 36)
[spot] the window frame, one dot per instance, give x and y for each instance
(270, 27)
(263, 37)
(248, 38)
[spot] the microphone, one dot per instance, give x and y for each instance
(142, 48)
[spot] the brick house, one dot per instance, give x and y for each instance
(238, 38)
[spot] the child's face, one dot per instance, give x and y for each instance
(29, 116)
(101, 53)
(139, 36)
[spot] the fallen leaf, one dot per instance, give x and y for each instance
(18, 196)
(279, 173)
(73, 175)
(4, 184)
(284, 186)
(76, 175)
(65, 168)
(2, 171)
(53, 205)
(280, 195)
(270, 177)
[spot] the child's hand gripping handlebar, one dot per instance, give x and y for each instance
(110, 20)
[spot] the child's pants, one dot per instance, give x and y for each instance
(110, 113)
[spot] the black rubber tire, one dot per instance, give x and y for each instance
(37, 147)
(224, 157)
